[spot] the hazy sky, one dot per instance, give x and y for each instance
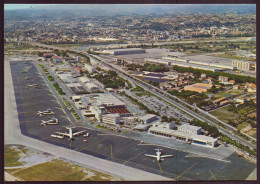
(21, 6)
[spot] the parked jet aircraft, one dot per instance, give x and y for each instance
(53, 121)
(158, 155)
(47, 112)
(71, 135)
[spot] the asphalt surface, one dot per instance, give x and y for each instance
(116, 148)
(13, 136)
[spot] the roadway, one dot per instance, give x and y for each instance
(13, 136)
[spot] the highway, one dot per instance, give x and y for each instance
(13, 136)
(226, 131)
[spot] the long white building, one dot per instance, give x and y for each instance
(201, 140)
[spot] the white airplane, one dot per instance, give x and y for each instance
(53, 121)
(158, 155)
(71, 135)
(47, 112)
(32, 86)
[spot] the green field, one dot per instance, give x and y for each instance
(223, 114)
(97, 126)
(231, 91)
(231, 55)
(12, 156)
(58, 170)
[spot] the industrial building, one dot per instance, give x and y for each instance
(91, 87)
(124, 51)
(112, 119)
(243, 65)
(84, 80)
(104, 103)
(148, 118)
(89, 68)
(198, 87)
(201, 140)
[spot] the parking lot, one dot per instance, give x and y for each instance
(114, 147)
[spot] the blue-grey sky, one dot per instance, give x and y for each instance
(21, 6)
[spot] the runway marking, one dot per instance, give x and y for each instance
(111, 151)
(227, 161)
(90, 145)
(186, 170)
(160, 166)
(212, 175)
(133, 157)
(30, 121)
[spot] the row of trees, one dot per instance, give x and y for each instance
(112, 80)
(198, 72)
(213, 131)
(58, 88)
(148, 67)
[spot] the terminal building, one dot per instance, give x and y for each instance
(148, 118)
(184, 132)
(195, 139)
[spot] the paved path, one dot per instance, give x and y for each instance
(13, 136)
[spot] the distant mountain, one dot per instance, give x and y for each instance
(73, 10)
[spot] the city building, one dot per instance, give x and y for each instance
(78, 59)
(240, 100)
(48, 55)
(243, 65)
(223, 79)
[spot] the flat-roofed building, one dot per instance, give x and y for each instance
(189, 129)
(148, 118)
(195, 139)
(217, 101)
(240, 100)
(243, 65)
(91, 86)
(84, 80)
(112, 119)
(164, 125)
(124, 51)
(223, 79)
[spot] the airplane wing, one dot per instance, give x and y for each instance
(64, 134)
(79, 133)
(166, 156)
(154, 156)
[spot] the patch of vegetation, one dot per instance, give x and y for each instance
(111, 80)
(58, 170)
(58, 88)
(50, 78)
(91, 123)
(98, 126)
(125, 132)
(198, 72)
(11, 157)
